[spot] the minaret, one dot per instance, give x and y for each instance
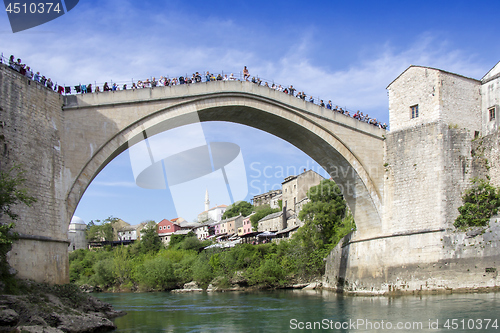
(207, 201)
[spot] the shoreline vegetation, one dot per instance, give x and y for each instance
(149, 265)
(185, 266)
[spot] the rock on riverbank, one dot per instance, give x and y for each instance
(55, 309)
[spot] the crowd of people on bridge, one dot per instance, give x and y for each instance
(302, 95)
(23, 69)
(18, 66)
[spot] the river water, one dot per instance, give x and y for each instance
(292, 310)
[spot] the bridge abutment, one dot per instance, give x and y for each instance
(30, 122)
(433, 151)
(428, 167)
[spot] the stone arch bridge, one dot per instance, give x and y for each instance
(100, 126)
(66, 141)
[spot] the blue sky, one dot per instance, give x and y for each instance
(346, 51)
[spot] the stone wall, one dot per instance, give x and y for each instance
(428, 167)
(415, 86)
(448, 261)
(272, 222)
(30, 123)
(486, 152)
(440, 96)
(460, 101)
(295, 189)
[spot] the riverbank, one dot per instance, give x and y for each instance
(36, 307)
(192, 287)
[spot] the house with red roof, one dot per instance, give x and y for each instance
(166, 228)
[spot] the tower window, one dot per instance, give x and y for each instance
(492, 113)
(414, 111)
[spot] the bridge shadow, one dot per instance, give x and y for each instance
(344, 259)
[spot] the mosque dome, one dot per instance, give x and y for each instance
(77, 220)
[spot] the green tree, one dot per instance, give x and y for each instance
(150, 241)
(480, 203)
(324, 214)
(12, 193)
(101, 230)
(242, 207)
(93, 231)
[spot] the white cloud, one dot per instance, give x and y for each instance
(362, 85)
(114, 184)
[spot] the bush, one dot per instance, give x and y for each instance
(175, 241)
(121, 264)
(269, 273)
(157, 273)
(480, 203)
(191, 243)
(203, 272)
(104, 275)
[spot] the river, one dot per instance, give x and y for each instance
(292, 310)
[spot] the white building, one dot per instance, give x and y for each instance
(490, 100)
(214, 214)
(76, 234)
(131, 232)
(202, 231)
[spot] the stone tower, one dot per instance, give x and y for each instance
(207, 201)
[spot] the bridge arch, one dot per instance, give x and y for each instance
(328, 138)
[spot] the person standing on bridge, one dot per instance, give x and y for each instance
(246, 74)
(197, 77)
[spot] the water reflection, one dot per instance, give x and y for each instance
(284, 311)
